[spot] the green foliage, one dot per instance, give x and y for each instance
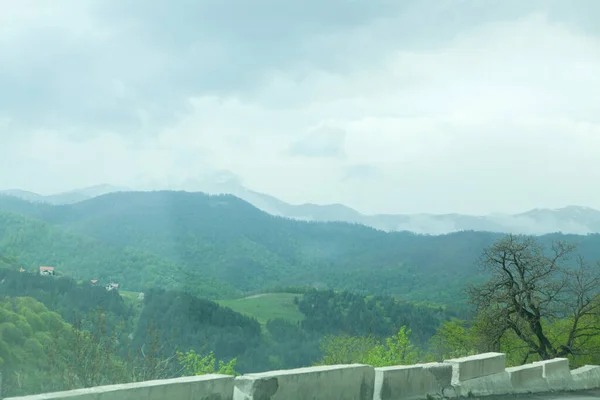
(453, 339)
(26, 331)
(182, 249)
(33, 243)
(195, 364)
(266, 306)
(535, 302)
(221, 246)
(330, 312)
(345, 349)
(183, 321)
(62, 294)
(198, 241)
(399, 350)
(93, 355)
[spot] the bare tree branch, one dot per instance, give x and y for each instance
(531, 289)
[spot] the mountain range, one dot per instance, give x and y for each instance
(571, 219)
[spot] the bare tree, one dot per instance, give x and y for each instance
(152, 362)
(551, 305)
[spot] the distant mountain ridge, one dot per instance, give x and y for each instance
(70, 197)
(571, 219)
(212, 244)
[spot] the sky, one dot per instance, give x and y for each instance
(386, 106)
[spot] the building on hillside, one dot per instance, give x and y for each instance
(21, 270)
(94, 282)
(46, 271)
(112, 286)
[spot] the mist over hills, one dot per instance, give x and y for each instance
(213, 244)
(69, 197)
(571, 219)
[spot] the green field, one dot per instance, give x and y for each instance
(131, 299)
(263, 307)
(266, 306)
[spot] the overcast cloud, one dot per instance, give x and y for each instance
(386, 106)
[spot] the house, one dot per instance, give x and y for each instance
(112, 286)
(21, 270)
(46, 270)
(94, 282)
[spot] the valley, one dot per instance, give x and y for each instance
(162, 274)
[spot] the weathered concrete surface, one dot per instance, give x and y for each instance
(485, 386)
(557, 374)
(527, 378)
(336, 382)
(483, 375)
(413, 381)
(205, 387)
(586, 377)
(477, 366)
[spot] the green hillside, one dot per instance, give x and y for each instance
(267, 306)
(30, 243)
(174, 239)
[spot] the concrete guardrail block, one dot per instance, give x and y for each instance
(586, 377)
(412, 381)
(476, 366)
(480, 375)
(496, 384)
(557, 374)
(335, 382)
(527, 378)
(204, 387)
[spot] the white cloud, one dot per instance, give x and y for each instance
(502, 116)
(321, 141)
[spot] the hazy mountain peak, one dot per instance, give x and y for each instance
(96, 190)
(569, 219)
(579, 209)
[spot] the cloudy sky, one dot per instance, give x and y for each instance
(387, 106)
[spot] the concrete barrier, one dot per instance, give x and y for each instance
(336, 382)
(476, 366)
(204, 387)
(413, 381)
(557, 374)
(528, 378)
(496, 384)
(586, 377)
(480, 375)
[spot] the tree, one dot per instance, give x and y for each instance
(345, 349)
(453, 339)
(195, 364)
(550, 303)
(397, 350)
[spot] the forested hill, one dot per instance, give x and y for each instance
(27, 243)
(233, 242)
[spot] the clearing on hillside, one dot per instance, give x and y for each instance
(267, 306)
(131, 298)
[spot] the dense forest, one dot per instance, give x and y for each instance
(174, 321)
(221, 246)
(210, 283)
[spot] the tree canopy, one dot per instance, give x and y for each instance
(550, 305)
